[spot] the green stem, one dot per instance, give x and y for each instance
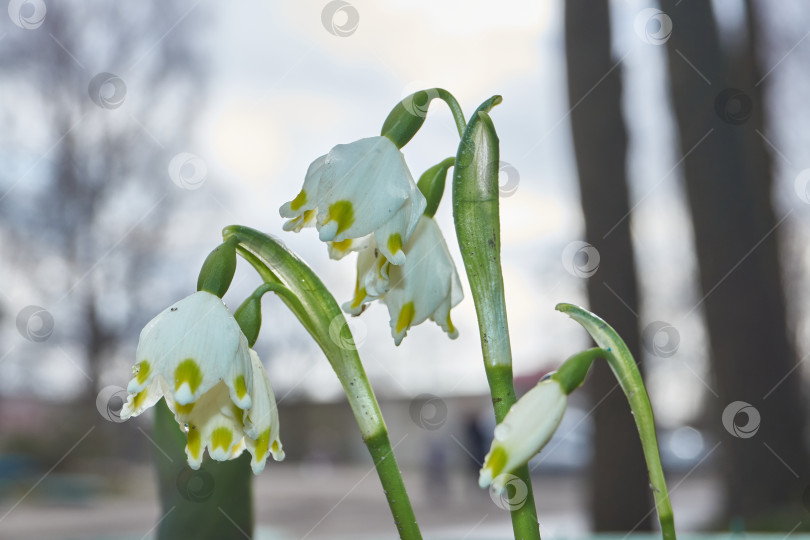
(624, 367)
(502, 388)
(455, 108)
(387, 469)
(317, 310)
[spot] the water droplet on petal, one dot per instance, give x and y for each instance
(502, 431)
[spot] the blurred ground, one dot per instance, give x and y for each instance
(318, 502)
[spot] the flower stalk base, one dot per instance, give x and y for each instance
(502, 389)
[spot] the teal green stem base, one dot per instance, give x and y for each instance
(212, 503)
(388, 470)
(502, 388)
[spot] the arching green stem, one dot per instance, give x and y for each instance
(317, 310)
(455, 109)
(408, 116)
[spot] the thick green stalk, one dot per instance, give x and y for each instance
(476, 216)
(387, 469)
(624, 368)
(317, 310)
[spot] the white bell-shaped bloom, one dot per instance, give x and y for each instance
(359, 189)
(526, 429)
(426, 286)
(195, 356)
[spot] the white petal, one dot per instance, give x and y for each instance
(526, 429)
(371, 175)
(424, 285)
(310, 193)
(338, 250)
(214, 423)
(393, 235)
(261, 421)
(192, 346)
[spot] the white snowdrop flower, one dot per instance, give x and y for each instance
(526, 429)
(359, 189)
(195, 356)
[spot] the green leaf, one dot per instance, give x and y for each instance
(477, 221)
(624, 367)
(212, 503)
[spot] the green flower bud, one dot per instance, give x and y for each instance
(218, 269)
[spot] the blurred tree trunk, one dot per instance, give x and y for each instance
(728, 183)
(619, 486)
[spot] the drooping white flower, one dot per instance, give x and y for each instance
(359, 189)
(426, 286)
(195, 356)
(526, 429)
